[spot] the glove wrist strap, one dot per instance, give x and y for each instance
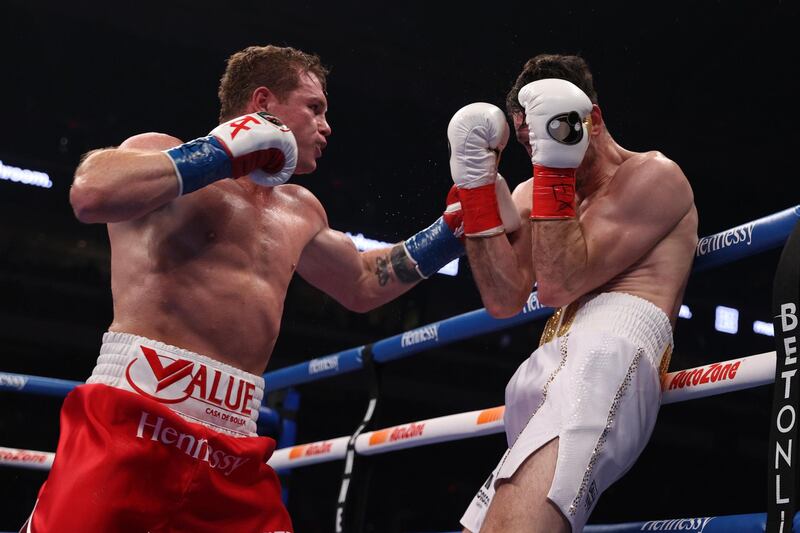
(432, 248)
(553, 193)
(199, 163)
(481, 214)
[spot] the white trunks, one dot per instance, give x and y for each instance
(594, 383)
(198, 388)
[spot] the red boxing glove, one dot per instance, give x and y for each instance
(553, 193)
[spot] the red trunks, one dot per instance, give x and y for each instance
(160, 440)
(129, 464)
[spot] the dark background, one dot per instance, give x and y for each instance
(711, 85)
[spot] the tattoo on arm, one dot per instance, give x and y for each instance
(403, 267)
(382, 270)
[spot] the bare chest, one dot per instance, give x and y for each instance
(224, 230)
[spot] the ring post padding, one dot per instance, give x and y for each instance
(781, 487)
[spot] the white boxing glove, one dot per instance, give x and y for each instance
(555, 111)
(258, 145)
(477, 135)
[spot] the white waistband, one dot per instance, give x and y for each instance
(196, 387)
(628, 316)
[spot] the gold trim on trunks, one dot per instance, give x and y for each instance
(558, 325)
(664, 366)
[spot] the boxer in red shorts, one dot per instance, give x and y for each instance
(205, 237)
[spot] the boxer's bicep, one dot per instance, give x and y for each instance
(623, 226)
(331, 262)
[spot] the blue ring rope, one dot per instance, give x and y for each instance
(720, 248)
(714, 250)
(24, 383)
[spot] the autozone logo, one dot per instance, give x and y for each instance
(423, 334)
(398, 433)
(487, 416)
(704, 374)
(22, 456)
(170, 380)
(742, 234)
(310, 450)
(679, 524)
(12, 380)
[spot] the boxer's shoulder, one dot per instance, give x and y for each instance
(150, 141)
(300, 201)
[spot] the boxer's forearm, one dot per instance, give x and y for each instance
(559, 260)
(122, 184)
(501, 281)
(386, 275)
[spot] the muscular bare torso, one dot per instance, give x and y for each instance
(637, 184)
(660, 276)
(208, 272)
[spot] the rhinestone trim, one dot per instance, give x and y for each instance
(604, 435)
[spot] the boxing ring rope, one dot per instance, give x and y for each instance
(24, 383)
(721, 248)
(683, 385)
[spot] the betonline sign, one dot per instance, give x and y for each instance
(24, 176)
(787, 415)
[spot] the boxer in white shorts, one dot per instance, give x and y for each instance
(608, 236)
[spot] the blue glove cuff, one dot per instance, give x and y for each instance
(199, 163)
(433, 247)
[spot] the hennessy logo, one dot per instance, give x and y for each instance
(423, 334)
(532, 303)
(156, 429)
(697, 525)
(170, 380)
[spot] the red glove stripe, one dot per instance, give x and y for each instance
(480, 209)
(453, 214)
(553, 193)
(270, 161)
